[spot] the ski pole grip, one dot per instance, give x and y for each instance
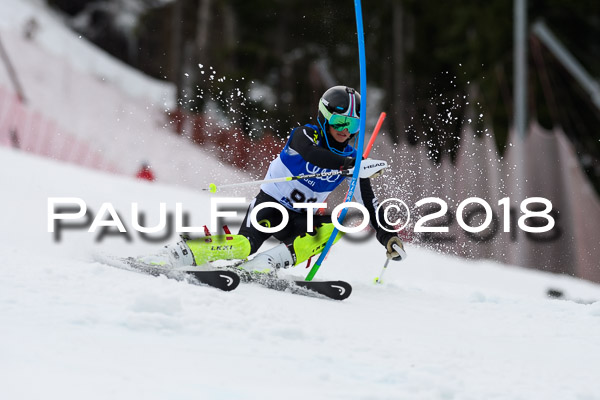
(400, 251)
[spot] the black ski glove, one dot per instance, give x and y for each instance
(348, 163)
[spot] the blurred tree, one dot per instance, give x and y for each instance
(71, 7)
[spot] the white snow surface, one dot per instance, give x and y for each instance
(438, 328)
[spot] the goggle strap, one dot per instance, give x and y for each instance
(336, 151)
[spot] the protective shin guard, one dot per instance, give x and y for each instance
(219, 247)
(311, 244)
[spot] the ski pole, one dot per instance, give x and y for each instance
(379, 279)
(213, 187)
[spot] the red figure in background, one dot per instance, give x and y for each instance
(146, 173)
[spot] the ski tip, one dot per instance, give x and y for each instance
(212, 188)
(230, 283)
(336, 290)
(220, 279)
(344, 288)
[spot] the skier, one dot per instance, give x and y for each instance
(145, 172)
(309, 149)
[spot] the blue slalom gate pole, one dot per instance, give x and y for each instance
(361, 135)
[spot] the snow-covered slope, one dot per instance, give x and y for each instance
(439, 328)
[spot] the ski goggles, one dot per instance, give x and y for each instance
(340, 122)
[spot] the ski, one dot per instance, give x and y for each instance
(336, 290)
(228, 278)
(225, 280)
